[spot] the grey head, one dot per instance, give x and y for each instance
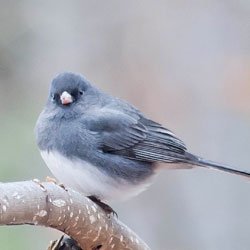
(70, 96)
(68, 89)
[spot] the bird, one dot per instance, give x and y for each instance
(104, 147)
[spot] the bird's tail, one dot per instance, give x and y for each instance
(198, 161)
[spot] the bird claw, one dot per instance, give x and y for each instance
(105, 207)
(62, 186)
(38, 182)
(53, 180)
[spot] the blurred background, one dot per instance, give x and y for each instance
(185, 64)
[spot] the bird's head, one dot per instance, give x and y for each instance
(68, 89)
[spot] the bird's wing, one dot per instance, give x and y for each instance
(133, 136)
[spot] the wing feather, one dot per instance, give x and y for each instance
(133, 136)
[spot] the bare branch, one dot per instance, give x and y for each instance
(47, 204)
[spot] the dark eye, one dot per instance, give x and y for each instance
(53, 97)
(80, 92)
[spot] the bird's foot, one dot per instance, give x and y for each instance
(38, 182)
(53, 180)
(105, 207)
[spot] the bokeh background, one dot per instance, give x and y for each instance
(186, 64)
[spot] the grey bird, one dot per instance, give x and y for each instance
(104, 147)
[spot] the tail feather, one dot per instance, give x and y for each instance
(198, 161)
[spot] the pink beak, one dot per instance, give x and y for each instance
(66, 98)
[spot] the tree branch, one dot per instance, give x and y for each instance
(47, 204)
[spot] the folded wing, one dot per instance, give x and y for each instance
(136, 137)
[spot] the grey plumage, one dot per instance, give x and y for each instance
(109, 134)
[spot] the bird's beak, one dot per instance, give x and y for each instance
(66, 98)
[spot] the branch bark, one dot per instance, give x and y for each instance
(47, 204)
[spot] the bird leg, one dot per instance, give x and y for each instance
(105, 207)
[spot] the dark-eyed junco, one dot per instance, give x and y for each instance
(104, 147)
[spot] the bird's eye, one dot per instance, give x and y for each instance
(80, 92)
(53, 97)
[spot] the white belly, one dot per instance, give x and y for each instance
(88, 179)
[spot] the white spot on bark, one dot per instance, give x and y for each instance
(94, 209)
(98, 216)
(79, 232)
(6, 200)
(59, 203)
(113, 246)
(106, 227)
(16, 195)
(98, 234)
(76, 218)
(92, 219)
(121, 238)
(80, 211)
(59, 218)
(71, 201)
(68, 208)
(67, 229)
(71, 215)
(111, 239)
(137, 241)
(41, 213)
(4, 208)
